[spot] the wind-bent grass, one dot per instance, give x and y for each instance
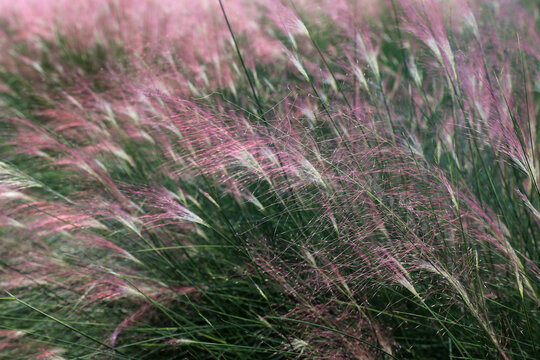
(269, 179)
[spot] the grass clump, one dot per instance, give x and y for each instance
(266, 179)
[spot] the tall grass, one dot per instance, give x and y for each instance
(269, 180)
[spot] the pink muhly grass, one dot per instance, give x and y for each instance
(424, 19)
(345, 194)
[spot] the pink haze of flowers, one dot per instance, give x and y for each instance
(367, 169)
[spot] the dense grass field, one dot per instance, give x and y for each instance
(264, 179)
